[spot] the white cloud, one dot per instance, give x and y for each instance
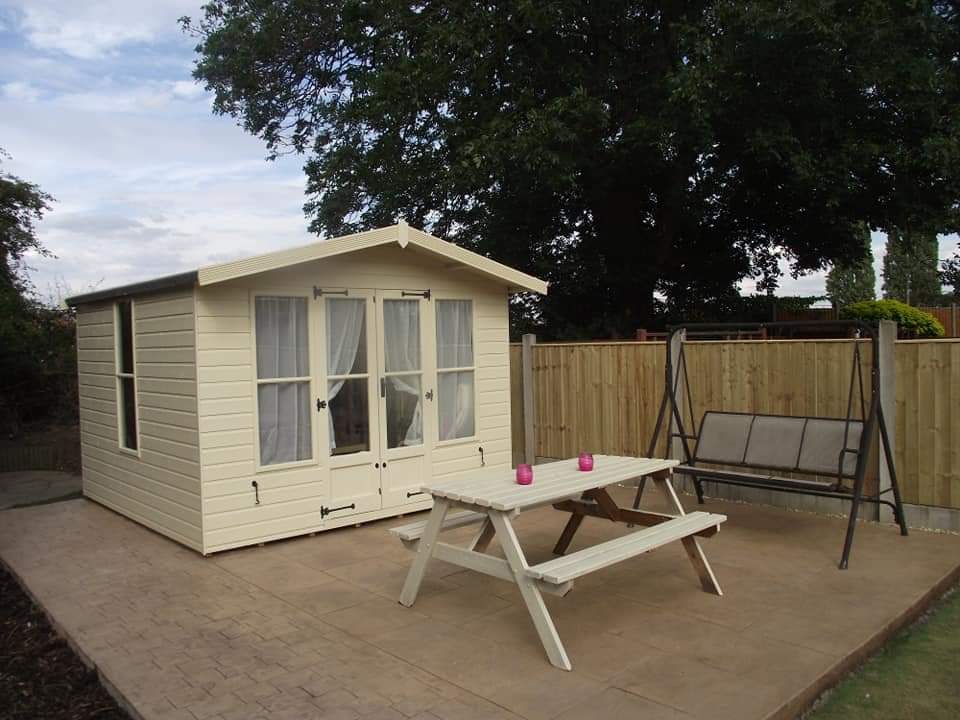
(187, 89)
(19, 91)
(89, 30)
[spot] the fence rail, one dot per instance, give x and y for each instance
(603, 397)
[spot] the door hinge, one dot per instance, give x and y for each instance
(320, 292)
(324, 510)
(321, 404)
(425, 294)
(383, 387)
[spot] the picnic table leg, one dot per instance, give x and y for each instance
(424, 551)
(483, 538)
(530, 593)
(708, 581)
(569, 530)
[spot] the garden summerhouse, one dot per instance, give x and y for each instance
(296, 391)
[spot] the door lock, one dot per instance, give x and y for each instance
(429, 394)
(321, 404)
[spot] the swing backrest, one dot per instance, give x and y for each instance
(817, 446)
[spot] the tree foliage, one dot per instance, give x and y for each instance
(910, 272)
(950, 274)
(37, 355)
(852, 281)
(620, 150)
(911, 321)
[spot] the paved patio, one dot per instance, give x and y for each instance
(31, 487)
(310, 628)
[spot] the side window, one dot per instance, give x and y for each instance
(126, 375)
(283, 380)
(456, 413)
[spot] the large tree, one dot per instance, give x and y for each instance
(620, 149)
(849, 282)
(910, 272)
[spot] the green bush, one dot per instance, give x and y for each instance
(911, 321)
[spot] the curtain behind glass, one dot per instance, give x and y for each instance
(401, 331)
(283, 407)
(455, 404)
(282, 337)
(454, 333)
(455, 396)
(346, 331)
(284, 422)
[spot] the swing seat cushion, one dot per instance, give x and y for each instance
(815, 446)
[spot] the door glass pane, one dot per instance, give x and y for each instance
(404, 415)
(454, 333)
(125, 336)
(128, 399)
(281, 337)
(346, 336)
(401, 335)
(455, 404)
(349, 412)
(284, 416)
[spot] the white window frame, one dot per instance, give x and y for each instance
(121, 376)
(309, 379)
(467, 368)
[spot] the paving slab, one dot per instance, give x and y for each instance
(31, 487)
(310, 627)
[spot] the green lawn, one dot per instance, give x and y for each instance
(917, 675)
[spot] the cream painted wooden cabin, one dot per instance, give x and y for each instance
(297, 391)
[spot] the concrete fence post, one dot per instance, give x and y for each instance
(886, 338)
(526, 356)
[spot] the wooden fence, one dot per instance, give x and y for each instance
(603, 397)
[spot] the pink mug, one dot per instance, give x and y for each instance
(524, 474)
(585, 462)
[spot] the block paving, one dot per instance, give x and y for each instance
(310, 627)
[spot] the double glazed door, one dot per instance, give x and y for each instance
(375, 381)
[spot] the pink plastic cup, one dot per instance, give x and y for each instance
(524, 474)
(585, 462)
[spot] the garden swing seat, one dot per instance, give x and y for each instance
(760, 450)
(827, 449)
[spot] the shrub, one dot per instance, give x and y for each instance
(912, 321)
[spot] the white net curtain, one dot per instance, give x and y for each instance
(455, 369)
(401, 335)
(346, 328)
(283, 369)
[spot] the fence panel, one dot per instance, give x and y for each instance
(928, 421)
(603, 397)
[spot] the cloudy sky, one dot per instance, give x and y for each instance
(97, 106)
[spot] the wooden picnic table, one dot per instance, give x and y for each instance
(491, 498)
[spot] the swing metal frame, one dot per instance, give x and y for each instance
(872, 418)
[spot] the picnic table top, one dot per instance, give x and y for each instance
(497, 488)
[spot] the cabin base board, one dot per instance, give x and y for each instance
(330, 524)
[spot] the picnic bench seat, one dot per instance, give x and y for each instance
(596, 557)
(413, 531)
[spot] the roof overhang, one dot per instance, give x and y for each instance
(167, 282)
(400, 234)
